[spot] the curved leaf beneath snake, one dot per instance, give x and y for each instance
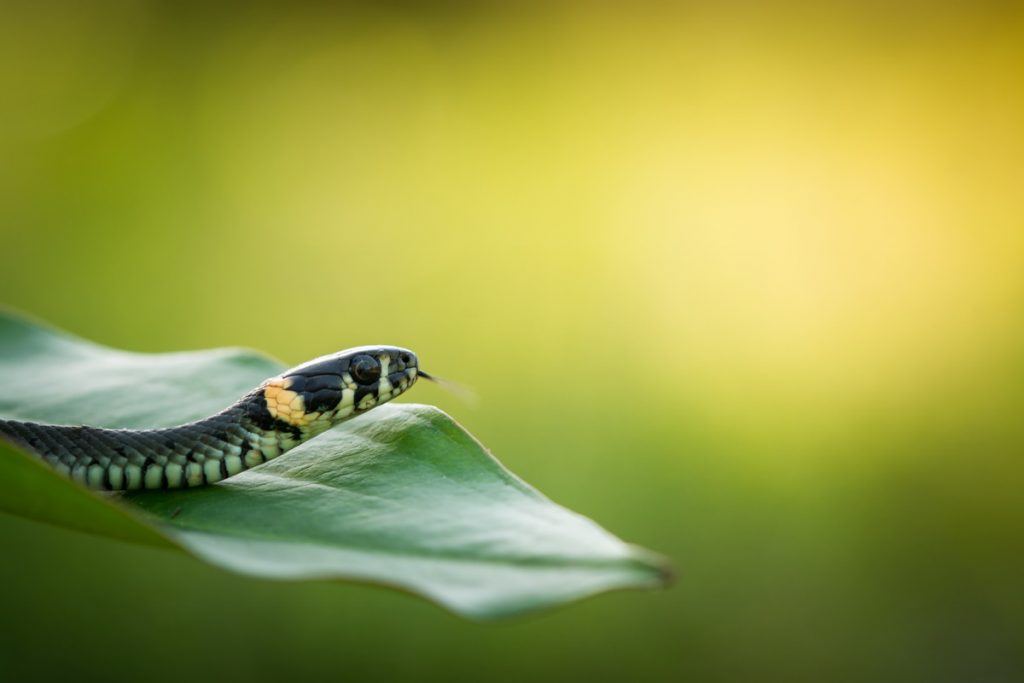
(402, 496)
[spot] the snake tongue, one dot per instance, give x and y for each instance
(460, 391)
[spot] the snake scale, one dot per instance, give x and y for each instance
(281, 413)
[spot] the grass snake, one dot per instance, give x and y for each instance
(278, 415)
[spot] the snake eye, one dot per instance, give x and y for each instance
(365, 369)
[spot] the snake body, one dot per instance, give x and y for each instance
(278, 415)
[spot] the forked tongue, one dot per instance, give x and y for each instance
(459, 391)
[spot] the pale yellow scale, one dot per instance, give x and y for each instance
(287, 405)
(385, 387)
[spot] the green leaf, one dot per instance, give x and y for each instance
(402, 496)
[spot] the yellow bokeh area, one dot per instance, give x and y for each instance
(741, 282)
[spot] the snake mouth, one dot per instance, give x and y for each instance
(429, 378)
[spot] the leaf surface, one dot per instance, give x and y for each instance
(402, 496)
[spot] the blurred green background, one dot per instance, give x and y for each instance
(741, 282)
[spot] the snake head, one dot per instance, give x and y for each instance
(329, 389)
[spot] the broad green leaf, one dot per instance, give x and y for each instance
(402, 496)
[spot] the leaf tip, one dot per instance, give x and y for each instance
(661, 568)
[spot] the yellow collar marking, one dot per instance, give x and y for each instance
(286, 405)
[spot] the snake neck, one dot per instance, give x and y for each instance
(204, 452)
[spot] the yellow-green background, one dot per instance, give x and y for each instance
(742, 282)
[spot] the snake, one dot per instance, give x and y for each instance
(281, 413)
